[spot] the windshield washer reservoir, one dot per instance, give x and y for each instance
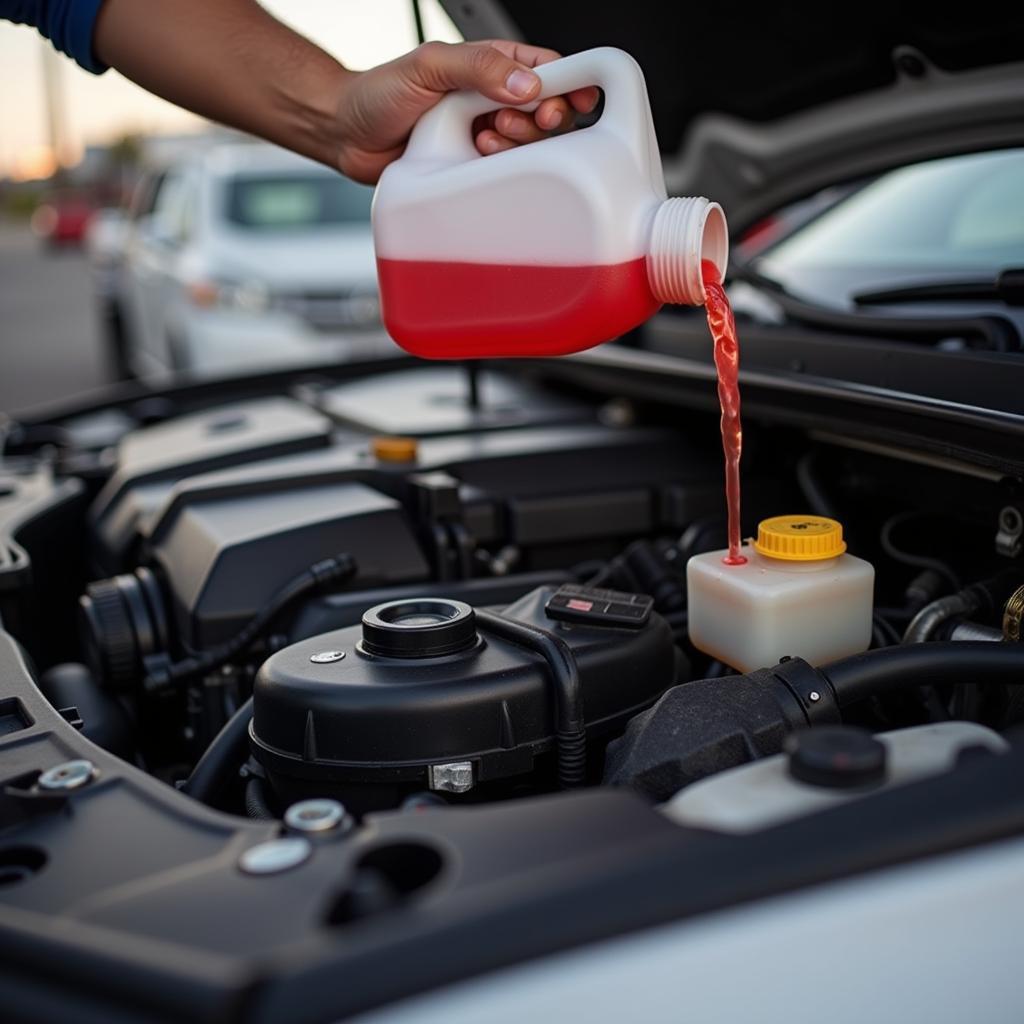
(798, 593)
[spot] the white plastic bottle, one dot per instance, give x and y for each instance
(798, 593)
(546, 248)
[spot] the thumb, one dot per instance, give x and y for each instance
(442, 67)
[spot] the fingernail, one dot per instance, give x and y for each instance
(521, 82)
(554, 120)
(491, 145)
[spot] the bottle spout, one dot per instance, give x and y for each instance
(686, 231)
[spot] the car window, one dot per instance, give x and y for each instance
(960, 213)
(286, 202)
(146, 194)
(170, 213)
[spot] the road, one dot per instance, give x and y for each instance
(49, 333)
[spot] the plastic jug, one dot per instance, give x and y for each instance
(544, 249)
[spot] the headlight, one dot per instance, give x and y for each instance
(245, 297)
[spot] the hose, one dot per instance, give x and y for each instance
(256, 805)
(569, 722)
(908, 558)
(985, 596)
(975, 631)
(221, 757)
(943, 662)
(933, 615)
(330, 570)
(883, 632)
(816, 498)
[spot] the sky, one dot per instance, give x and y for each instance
(360, 33)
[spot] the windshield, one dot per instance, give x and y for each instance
(955, 217)
(288, 202)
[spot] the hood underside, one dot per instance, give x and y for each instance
(760, 105)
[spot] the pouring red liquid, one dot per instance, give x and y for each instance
(727, 362)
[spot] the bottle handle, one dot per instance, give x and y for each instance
(442, 135)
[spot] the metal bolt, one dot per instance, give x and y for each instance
(69, 775)
(275, 856)
(316, 816)
(1010, 529)
(455, 777)
(326, 657)
(814, 696)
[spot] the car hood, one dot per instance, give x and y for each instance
(309, 260)
(758, 105)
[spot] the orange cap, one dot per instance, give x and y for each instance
(394, 449)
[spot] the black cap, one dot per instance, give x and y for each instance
(425, 627)
(836, 757)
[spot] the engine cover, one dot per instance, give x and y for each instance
(420, 686)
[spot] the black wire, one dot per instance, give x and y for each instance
(417, 15)
(886, 629)
(900, 614)
(811, 489)
(330, 570)
(907, 557)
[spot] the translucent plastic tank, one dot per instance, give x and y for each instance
(543, 249)
(798, 593)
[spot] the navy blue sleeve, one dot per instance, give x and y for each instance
(68, 24)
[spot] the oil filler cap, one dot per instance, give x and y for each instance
(836, 757)
(425, 627)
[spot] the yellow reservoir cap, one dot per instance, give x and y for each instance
(800, 538)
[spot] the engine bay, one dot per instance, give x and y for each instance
(385, 643)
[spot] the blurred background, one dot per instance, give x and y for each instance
(138, 239)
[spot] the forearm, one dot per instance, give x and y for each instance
(229, 60)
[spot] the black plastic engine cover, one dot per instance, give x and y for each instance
(367, 718)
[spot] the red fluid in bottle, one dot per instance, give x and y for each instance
(448, 310)
(727, 362)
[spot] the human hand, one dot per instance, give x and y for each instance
(379, 108)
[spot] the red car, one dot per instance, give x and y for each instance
(62, 221)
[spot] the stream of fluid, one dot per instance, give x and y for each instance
(727, 362)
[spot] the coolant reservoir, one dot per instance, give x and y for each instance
(543, 249)
(798, 593)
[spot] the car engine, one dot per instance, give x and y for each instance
(357, 611)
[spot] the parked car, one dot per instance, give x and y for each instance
(105, 243)
(384, 705)
(62, 220)
(241, 254)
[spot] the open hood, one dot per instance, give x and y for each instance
(762, 105)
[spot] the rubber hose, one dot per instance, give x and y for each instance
(944, 662)
(897, 554)
(223, 756)
(975, 631)
(933, 615)
(256, 805)
(565, 678)
(985, 596)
